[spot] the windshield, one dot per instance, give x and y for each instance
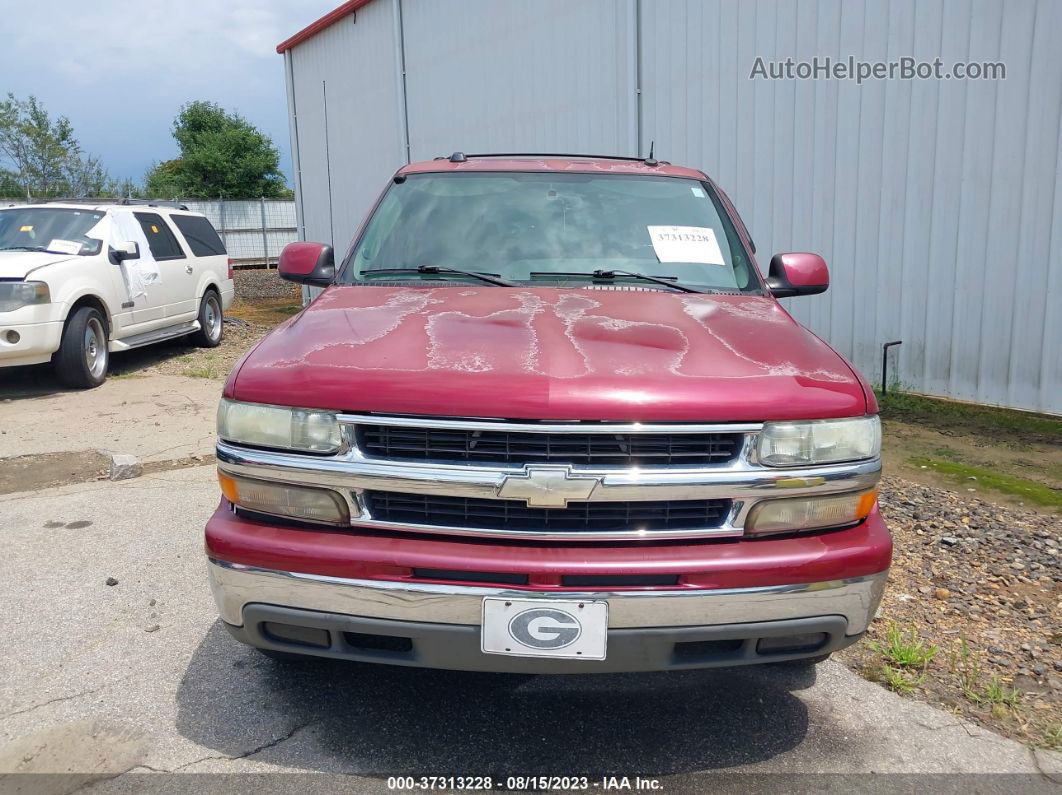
(58, 230)
(549, 228)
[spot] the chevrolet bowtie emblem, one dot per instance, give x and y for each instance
(547, 487)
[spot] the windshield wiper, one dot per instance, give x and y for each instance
(31, 248)
(432, 270)
(667, 281)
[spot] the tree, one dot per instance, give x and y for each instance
(162, 180)
(221, 154)
(9, 184)
(43, 157)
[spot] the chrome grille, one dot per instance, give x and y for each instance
(510, 515)
(580, 449)
(609, 493)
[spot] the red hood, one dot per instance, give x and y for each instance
(548, 353)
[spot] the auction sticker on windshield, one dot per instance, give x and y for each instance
(64, 246)
(545, 628)
(686, 244)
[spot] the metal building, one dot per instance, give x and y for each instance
(936, 202)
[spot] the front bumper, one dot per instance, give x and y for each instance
(36, 342)
(438, 625)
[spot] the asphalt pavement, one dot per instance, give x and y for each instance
(113, 684)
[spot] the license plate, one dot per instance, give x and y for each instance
(545, 628)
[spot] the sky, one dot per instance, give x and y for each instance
(120, 70)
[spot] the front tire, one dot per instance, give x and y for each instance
(82, 359)
(211, 321)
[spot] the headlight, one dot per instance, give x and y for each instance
(789, 444)
(809, 513)
(277, 426)
(15, 295)
(283, 499)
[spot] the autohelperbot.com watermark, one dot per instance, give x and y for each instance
(826, 67)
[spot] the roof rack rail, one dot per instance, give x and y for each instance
(461, 157)
(123, 201)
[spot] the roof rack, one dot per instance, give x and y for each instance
(123, 201)
(461, 157)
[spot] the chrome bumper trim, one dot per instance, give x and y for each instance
(235, 585)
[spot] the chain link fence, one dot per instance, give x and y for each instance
(253, 230)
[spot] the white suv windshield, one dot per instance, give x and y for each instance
(549, 228)
(54, 229)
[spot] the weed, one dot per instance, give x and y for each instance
(909, 407)
(268, 311)
(203, 371)
(967, 670)
(1053, 737)
(995, 692)
(970, 679)
(1008, 484)
(900, 681)
(904, 651)
(947, 452)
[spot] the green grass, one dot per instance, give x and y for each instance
(1053, 737)
(995, 692)
(205, 371)
(900, 681)
(1028, 490)
(902, 649)
(966, 669)
(909, 407)
(975, 688)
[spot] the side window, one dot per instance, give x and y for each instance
(160, 239)
(199, 234)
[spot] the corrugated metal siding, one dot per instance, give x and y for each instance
(938, 204)
(345, 162)
(549, 76)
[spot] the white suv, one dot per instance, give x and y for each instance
(78, 281)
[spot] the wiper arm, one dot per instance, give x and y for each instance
(437, 270)
(600, 274)
(32, 248)
(667, 281)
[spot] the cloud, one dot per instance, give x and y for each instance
(120, 70)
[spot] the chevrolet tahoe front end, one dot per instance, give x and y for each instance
(516, 468)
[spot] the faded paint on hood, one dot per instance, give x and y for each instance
(20, 264)
(548, 353)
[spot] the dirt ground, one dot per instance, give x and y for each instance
(263, 301)
(972, 618)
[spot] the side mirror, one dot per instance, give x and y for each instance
(307, 263)
(798, 273)
(127, 250)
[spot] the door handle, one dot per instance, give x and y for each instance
(187, 268)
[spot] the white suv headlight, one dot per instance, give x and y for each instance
(256, 424)
(15, 295)
(790, 444)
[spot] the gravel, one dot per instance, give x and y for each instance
(967, 570)
(261, 283)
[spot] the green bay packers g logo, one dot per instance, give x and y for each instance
(545, 628)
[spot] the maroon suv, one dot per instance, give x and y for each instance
(548, 416)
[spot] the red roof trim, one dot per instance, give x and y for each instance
(329, 19)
